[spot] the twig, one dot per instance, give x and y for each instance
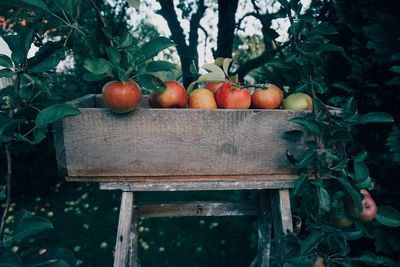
(8, 189)
(99, 13)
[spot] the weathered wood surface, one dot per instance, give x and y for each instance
(124, 241)
(182, 185)
(282, 221)
(197, 208)
(176, 142)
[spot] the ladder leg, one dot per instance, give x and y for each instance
(264, 233)
(123, 241)
(282, 220)
(134, 236)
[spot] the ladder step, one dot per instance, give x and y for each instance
(197, 208)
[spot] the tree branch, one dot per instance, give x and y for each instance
(193, 33)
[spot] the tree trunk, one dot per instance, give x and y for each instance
(226, 27)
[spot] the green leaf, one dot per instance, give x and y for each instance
(30, 226)
(8, 126)
(330, 48)
(375, 117)
(361, 171)
(8, 258)
(299, 184)
(395, 69)
(126, 40)
(114, 55)
(150, 82)
(29, 4)
(341, 165)
(309, 124)
(134, 3)
(160, 65)
(310, 242)
(370, 259)
(98, 66)
(5, 61)
(48, 63)
(324, 199)
(361, 156)
(90, 77)
(350, 108)
(293, 134)
(352, 192)
(214, 69)
(324, 29)
(225, 67)
(6, 73)
(388, 216)
(54, 113)
(307, 158)
(152, 48)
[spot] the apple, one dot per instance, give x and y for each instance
(174, 96)
(298, 101)
(369, 208)
(202, 98)
(270, 97)
(232, 96)
(213, 86)
(319, 262)
(341, 220)
(121, 97)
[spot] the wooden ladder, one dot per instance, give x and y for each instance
(274, 203)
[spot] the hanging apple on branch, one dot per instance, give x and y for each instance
(130, 71)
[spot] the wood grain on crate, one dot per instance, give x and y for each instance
(174, 142)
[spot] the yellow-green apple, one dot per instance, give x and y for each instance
(174, 96)
(341, 220)
(369, 208)
(202, 98)
(298, 101)
(232, 96)
(121, 97)
(270, 97)
(213, 86)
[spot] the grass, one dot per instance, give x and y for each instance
(85, 221)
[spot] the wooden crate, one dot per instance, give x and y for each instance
(175, 144)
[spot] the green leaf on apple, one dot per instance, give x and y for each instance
(388, 216)
(361, 171)
(324, 199)
(91, 77)
(215, 70)
(226, 64)
(150, 82)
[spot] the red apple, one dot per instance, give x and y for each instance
(369, 208)
(213, 86)
(270, 97)
(298, 101)
(232, 96)
(174, 96)
(202, 98)
(121, 97)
